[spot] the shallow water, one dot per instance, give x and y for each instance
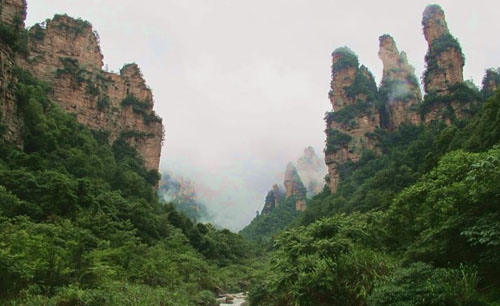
(239, 299)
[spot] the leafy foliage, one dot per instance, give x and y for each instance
(80, 223)
(141, 107)
(347, 58)
(335, 140)
(439, 45)
(492, 77)
(265, 226)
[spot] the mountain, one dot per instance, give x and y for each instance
(410, 214)
(65, 53)
(80, 219)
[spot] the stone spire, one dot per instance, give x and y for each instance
(399, 87)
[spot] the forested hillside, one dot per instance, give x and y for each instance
(80, 220)
(416, 226)
(410, 213)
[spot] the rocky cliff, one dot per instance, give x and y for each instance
(12, 15)
(399, 89)
(444, 58)
(312, 171)
(65, 52)
(273, 198)
(295, 187)
(491, 82)
(447, 96)
(360, 108)
(353, 96)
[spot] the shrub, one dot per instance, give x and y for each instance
(335, 140)
(103, 103)
(348, 59)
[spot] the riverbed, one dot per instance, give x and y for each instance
(236, 299)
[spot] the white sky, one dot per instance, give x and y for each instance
(242, 84)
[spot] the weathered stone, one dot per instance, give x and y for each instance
(445, 60)
(354, 113)
(12, 15)
(294, 187)
(66, 53)
(399, 84)
(311, 170)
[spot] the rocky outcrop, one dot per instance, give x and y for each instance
(273, 199)
(356, 116)
(12, 15)
(491, 82)
(444, 58)
(352, 95)
(294, 187)
(447, 96)
(399, 87)
(312, 171)
(66, 52)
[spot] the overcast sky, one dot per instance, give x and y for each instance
(242, 84)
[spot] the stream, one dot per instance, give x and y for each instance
(236, 299)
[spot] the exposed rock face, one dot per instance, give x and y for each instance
(12, 15)
(273, 198)
(443, 78)
(399, 85)
(353, 93)
(13, 12)
(295, 187)
(444, 58)
(491, 82)
(66, 53)
(311, 170)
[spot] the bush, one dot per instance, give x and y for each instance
(422, 285)
(336, 140)
(348, 59)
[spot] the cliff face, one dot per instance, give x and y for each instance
(273, 199)
(312, 171)
(444, 72)
(66, 53)
(295, 187)
(359, 107)
(444, 58)
(12, 15)
(353, 93)
(491, 82)
(399, 87)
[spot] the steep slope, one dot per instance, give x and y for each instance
(12, 15)
(447, 96)
(353, 97)
(312, 171)
(65, 52)
(399, 89)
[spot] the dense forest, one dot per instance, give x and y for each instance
(418, 225)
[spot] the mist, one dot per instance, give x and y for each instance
(242, 86)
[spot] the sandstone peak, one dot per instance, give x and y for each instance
(393, 60)
(399, 87)
(444, 58)
(295, 187)
(65, 52)
(311, 170)
(434, 22)
(67, 37)
(491, 82)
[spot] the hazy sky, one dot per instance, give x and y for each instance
(242, 84)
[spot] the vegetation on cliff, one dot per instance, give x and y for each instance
(80, 222)
(417, 225)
